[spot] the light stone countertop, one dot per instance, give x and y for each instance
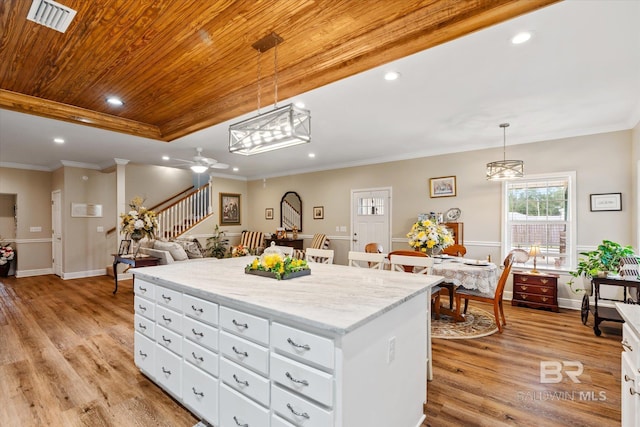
(630, 314)
(334, 298)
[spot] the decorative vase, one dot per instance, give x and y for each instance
(434, 251)
(4, 269)
(136, 236)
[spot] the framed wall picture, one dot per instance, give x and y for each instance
(444, 186)
(229, 209)
(268, 213)
(125, 245)
(318, 212)
(606, 202)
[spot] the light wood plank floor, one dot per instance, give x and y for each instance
(66, 359)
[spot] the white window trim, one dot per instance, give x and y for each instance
(572, 218)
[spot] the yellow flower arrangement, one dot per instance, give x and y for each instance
(427, 235)
(278, 265)
(139, 222)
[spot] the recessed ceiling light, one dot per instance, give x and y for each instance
(165, 158)
(115, 101)
(312, 155)
(236, 169)
(392, 75)
(300, 104)
(58, 140)
(521, 38)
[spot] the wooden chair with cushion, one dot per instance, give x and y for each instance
(253, 240)
(366, 260)
(373, 248)
(495, 298)
(455, 250)
(417, 263)
(324, 256)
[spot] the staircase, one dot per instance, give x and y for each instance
(183, 214)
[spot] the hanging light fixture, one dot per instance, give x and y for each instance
(282, 127)
(504, 169)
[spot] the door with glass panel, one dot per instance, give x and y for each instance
(370, 218)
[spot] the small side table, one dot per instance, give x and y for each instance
(139, 261)
(535, 290)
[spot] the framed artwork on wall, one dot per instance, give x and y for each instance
(444, 186)
(268, 213)
(318, 212)
(606, 202)
(229, 209)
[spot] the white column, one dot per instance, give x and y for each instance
(121, 201)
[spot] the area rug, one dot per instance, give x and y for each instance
(478, 323)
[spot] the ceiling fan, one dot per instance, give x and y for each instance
(200, 164)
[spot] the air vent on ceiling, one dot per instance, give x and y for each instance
(51, 14)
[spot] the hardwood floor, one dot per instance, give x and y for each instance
(66, 359)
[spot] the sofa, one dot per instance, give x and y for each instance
(179, 250)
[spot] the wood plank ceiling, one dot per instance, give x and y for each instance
(183, 65)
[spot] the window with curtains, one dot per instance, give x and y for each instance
(539, 210)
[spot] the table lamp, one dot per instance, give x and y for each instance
(534, 251)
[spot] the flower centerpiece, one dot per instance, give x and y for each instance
(429, 237)
(278, 266)
(239, 250)
(6, 254)
(139, 222)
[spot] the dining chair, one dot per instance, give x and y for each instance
(417, 263)
(406, 253)
(373, 248)
(324, 256)
(367, 260)
(455, 250)
(495, 298)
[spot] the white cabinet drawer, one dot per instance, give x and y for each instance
(168, 369)
(144, 351)
(144, 326)
(245, 353)
(200, 357)
(303, 379)
(204, 311)
(631, 343)
(169, 339)
(169, 319)
(276, 421)
(201, 333)
(169, 298)
(239, 411)
(303, 345)
(245, 325)
(144, 288)
(299, 411)
(144, 307)
(200, 393)
(245, 381)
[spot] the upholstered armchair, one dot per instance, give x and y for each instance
(253, 240)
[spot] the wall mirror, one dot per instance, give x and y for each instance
(291, 211)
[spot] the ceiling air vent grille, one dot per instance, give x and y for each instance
(51, 14)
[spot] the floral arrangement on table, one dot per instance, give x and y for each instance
(239, 250)
(278, 265)
(6, 254)
(429, 237)
(139, 222)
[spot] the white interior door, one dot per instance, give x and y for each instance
(56, 232)
(371, 218)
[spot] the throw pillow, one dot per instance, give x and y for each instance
(177, 252)
(191, 248)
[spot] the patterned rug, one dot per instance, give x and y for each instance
(478, 323)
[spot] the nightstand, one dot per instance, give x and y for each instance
(535, 290)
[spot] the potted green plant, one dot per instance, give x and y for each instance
(216, 244)
(605, 259)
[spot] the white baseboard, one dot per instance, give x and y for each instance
(30, 273)
(82, 274)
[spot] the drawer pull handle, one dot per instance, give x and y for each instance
(240, 325)
(238, 422)
(523, 296)
(166, 319)
(628, 378)
(524, 279)
(244, 383)
(166, 339)
(199, 310)
(524, 288)
(200, 334)
(142, 307)
(196, 357)
(166, 298)
(166, 371)
(544, 290)
(544, 299)
(303, 382)
(238, 352)
(626, 345)
(141, 326)
(302, 346)
(142, 354)
(544, 281)
(196, 392)
(143, 289)
(632, 391)
(298, 414)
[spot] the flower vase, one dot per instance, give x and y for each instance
(4, 269)
(436, 250)
(136, 237)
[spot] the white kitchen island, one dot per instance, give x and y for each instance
(342, 347)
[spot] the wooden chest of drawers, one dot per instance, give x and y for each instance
(535, 290)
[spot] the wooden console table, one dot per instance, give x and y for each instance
(139, 261)
(293, 243)
(601, 314)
